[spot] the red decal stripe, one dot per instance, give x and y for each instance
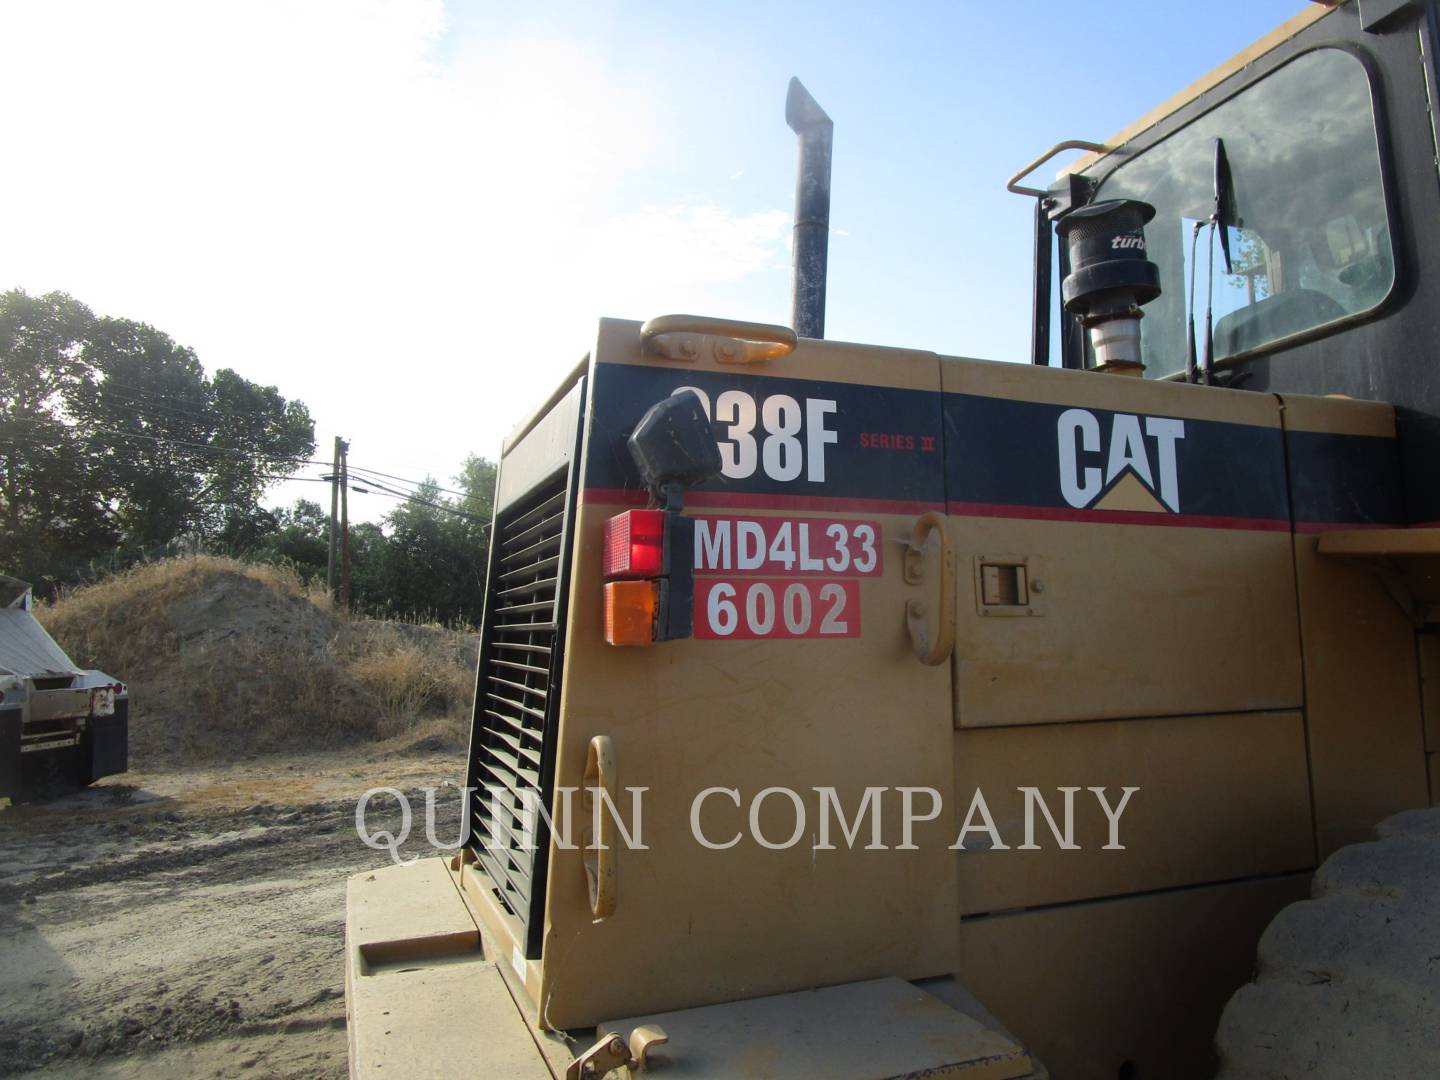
(746, 501)
(1115, 517)
(1310, 527)
(752, 501)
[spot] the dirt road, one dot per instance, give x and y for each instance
(190, 923)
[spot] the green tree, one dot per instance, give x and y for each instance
(114, 442)
(421, 559)
(273, 433)
(146, 413)
(477, 480)
(298, 536)
(52, 508)
(435, 551)
(112, 436)
(183, 454)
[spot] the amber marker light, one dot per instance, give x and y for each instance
(630, 612)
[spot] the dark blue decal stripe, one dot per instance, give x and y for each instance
(790, 443)
(800, 444)
(1344, 480)
(1091, 464)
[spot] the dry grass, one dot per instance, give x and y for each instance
(410, 678)
(226, 658)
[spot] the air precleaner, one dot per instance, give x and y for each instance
(1110, 278)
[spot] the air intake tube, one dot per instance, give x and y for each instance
(1110, 278)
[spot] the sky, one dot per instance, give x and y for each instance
(409, 214)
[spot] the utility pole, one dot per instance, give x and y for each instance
(344, 527)
(334, 511)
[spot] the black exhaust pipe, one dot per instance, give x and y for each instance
(812, 210)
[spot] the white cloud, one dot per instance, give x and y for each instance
(684, 249)
(307, 193)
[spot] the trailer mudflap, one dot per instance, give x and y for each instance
(11, 721)
(109, 743)
(422, 999)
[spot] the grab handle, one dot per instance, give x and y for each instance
(600, 854)
(682, 337)
(931, 650)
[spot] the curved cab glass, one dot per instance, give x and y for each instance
(1311, 241)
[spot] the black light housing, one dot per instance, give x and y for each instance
(674, 447)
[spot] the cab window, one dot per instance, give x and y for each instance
(1309, 240)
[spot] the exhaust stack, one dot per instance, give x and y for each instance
(812, 210)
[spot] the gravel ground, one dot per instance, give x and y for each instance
(190, 923)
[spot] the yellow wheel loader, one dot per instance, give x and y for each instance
(851, 712)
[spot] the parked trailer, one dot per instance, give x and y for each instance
(60, 726)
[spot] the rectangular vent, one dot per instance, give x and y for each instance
(517, 701)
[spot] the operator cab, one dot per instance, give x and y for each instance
(1310, 240)
(1275, 215)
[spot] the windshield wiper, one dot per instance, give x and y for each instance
(1223, 212)
(1222, 217)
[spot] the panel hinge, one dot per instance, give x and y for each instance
(612, 1052)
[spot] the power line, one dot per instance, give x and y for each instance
(138, 396)
(170, 440)
(214, 448)
(376, 490)
(136, 404)
(426, 502)
(221, 448)
(138, 400)
(152, 392)
(149, 398)
(416, 483)
(152, 395)
(158, 399)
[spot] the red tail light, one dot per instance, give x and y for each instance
(634, 544)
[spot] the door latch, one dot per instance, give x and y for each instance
(1008, 585)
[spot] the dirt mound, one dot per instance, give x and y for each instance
(229, 605)
(225, 658)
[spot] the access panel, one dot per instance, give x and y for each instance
(1123, 547)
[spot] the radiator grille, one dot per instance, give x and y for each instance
(517, 700)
